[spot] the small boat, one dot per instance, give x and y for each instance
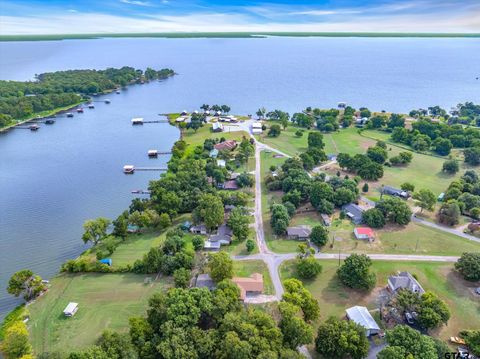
(91, 105)
(117, 92)
(137, 191)
(34, 127)
(152, 153)
(49, 121)
(128, 169)
(80, 110)
(107, 101)
(69, 114)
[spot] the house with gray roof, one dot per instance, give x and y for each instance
(404, 280)
(354, 212)
(301, 233)
(221, 238)
(362, 316)
(198, 229)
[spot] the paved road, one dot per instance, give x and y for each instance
(445, 229)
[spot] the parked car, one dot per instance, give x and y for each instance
(409, 318)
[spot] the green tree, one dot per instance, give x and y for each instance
(377, 154)
(319, 235)
(343, 196)
(279, 219)
(395, 210)
(298, 295)
(117, 345)
(450, 166)
(295, 331)
(221, 266)
(164, 221)
(338, 339)
(315, 140)
(468, 265)
(120, 226)
(181, 277)
(355, 272)
(320, 191)
(239, 223)
(449, 213)
(374, 218)
(27, 283)
(95, 230)
(274, 130)
(16, 343)
(407, 186)
(365, 188)
(472, 156)
(472, 339)
(425, 199)
(198, 242)
(432, 311)
(210, 209)
(392, 353)
(412, 342)
(442, 146)
(308, 268)
(250, 244)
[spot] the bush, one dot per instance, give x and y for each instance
(319, 235)
(250, 244)
(299, 133)
(450, 166)
(355, 272)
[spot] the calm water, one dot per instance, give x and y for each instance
(52, 180)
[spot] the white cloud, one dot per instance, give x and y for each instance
(64, 22)
(325, 12)
(136, 2)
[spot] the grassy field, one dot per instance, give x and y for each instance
(106, 301)
(411, 239)
(268, 197)
(247, 268)
(334, 298)
(287, 142)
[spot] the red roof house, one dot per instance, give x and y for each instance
(364, 233)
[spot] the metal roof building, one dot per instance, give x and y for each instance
(362, 316)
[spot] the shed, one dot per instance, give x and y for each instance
(221, 163)
(362, 316)
(210, 245)
(70, 309)
(326, 219)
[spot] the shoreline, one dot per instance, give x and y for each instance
(233, 35)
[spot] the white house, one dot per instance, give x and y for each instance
(71, 309)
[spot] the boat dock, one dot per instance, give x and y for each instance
(140, 191)
(141, 121)
(131, 169)
(156, 153)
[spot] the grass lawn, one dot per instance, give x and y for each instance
(399, 240)
(106, 301)
(247, 268)
(287, 142)
(135, 247)
(268, 197)
(440, 278)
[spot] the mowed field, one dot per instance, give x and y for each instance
(424, 171)
(106, 301)
(440, 278)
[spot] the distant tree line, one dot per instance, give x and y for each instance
(22, 99)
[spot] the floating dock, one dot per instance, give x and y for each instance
(156, 153)
(141, 121)
(140, 191)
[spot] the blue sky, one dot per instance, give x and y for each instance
(110, 16)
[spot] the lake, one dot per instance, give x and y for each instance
(53, 180)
